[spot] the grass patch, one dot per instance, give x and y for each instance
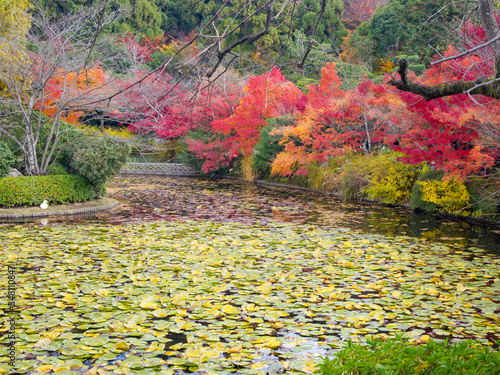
(403, 357)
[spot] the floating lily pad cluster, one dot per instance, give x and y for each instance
(228, 298)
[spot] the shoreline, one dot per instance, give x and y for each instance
(405, 206)
(32, 213)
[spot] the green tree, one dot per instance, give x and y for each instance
(145, 17)
(179, 17)
(268, 147)
(410, 25)
(330, 29)
(60, 7)
(286, 19)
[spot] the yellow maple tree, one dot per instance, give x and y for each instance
(13, 17)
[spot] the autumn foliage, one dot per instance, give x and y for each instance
(265, 96)
(327, 123)
(361, 10)
(446, 132)
(65, 89)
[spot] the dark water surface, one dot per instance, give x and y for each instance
(152, 198)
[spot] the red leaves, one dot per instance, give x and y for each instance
(328, 122)
(266, 96)
(443, 134)
(171, 111)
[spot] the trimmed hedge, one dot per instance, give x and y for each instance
(267, 148)
(32, 191)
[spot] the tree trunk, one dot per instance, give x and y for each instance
(32, 167)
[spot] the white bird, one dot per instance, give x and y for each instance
(44, 205)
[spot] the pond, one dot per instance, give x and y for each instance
(218, 277)
(146, 199)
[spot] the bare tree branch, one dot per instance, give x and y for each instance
(311, 41)
(489, 87)
(269, 6)
(465, 53)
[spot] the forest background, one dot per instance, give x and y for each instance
(284, 90)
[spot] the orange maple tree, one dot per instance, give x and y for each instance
(68, 89)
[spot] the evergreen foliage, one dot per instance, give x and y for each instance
(267, 149)
(485, 195)
(405, 25)
(97, 159)
(6, 159)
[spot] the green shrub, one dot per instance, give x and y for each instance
(268, 147)
(33, 190)
(58, 169)
(97, 159)
(7, 159)
(416, 201)
(485, 195)
(399, 356)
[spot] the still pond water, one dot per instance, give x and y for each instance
(146, 199)
(260, 280)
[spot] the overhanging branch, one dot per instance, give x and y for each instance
(466, 52)
(482, 86)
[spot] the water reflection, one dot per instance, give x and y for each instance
(151, 198)
(394, 221)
